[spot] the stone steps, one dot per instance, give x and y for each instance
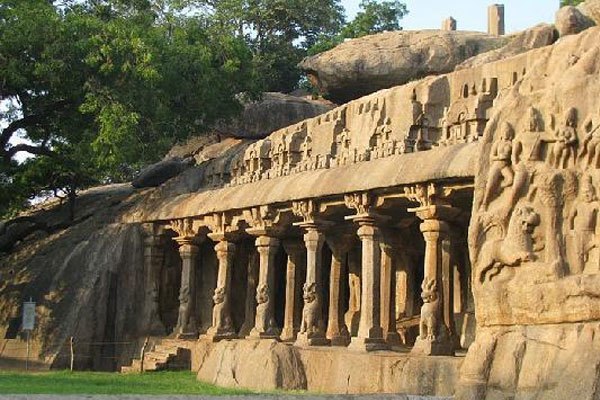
(167, 354)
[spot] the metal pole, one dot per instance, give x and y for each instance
(71, 342)
(27, 358)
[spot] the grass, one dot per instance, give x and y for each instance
(66, 382)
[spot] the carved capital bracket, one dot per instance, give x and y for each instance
(223, 226)
(311, 216)
(263, 221)
(153, 234)
(188, 231)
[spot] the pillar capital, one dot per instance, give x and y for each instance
(436, 212)
(265, 242)
(224, 247)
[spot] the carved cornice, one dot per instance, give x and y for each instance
(187, 229)
(223, 226)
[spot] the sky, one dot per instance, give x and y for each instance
(470, 15)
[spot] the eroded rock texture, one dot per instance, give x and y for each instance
(362, 66)
(534, 229)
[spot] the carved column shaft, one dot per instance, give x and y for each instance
(250, 303)
(311, 329)
(388, 298)
(265, 326)
(187, 325)
(437, 314)
(153, 262)
(370, 334)
(352, 316)
(337, 332)
(222, 327)
(293, 298)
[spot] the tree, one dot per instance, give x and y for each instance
(374, 17)
(570, 2)
(278, 31)
(95, 89)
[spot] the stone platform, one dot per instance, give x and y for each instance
(268, 365)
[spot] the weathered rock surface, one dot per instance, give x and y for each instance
(539, 36)
(570, 20)
(268, 365)
(364, 65)
(591, 9)
(274, 111)
(157, 174)
(534, 219)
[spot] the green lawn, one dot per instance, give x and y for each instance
(65, 382)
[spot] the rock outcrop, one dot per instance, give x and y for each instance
(570, 21)
(361, 66)
(539, 36)
(533, 233)
(591, 9)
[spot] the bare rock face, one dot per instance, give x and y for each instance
(274, 111)
(364, 65)
(156, 174)
(258, 364)
(591, 9)
(539, 36)
(570, 20)
(533, 232)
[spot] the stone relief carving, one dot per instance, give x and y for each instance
(430, 312)
(583, 222)
(221, 316)
(305, 209)
(501, 172)
(562, 154)
(514, 248)
(311, 312)
(264, 319)
(361, 202)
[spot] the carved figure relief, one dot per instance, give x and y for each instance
(311, 316)
(429, 323)
(591, 147)
(501, 172)
(583, 222)
(563, 152)
(221, 318)
(514, 248)
(264, 319)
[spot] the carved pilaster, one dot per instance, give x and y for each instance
(188, 241)
(293, 294)
(222, 326)
(436, 330)
(265, 325)
(153, 263)
(337, 332)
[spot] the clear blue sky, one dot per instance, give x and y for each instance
(471, 15)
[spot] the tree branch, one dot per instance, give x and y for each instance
(36, 150)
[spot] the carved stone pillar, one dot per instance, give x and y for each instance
(187, 324)
(154, 256)
(222, 326)
(312, 331)
(265, 325)
(293, 297)
(437, 333)
(337, 332)
(352, 316)
(370, 334)
(252, 284)
(388, 295)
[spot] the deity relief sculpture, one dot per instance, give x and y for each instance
(514, 248)
(583, 222)
(430, 311)
(501, 173)
(591, 147)
(563, 152)
(311, 316)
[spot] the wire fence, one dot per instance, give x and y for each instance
(71, 351)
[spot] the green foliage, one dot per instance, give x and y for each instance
(374, 17)
(95, 89)
(66, 382)
(278, 31)
(570, 2)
